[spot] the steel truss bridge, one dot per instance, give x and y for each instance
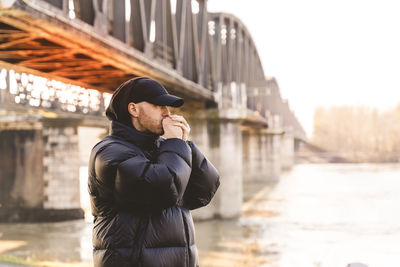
(69, 55)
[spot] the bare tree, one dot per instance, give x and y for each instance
(359, 133)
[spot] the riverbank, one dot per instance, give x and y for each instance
(309, 153)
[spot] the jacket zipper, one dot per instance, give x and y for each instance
(187, 238)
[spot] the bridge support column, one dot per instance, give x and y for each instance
(239, 153)
(221, 142)
(230, 195)
(274, 156)
(61, 167)
(40, 173)
(287, 151)
(261, 156)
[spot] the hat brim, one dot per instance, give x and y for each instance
(167, 100)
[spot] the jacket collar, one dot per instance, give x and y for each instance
(130, 134)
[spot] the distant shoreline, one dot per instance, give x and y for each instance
(310, 153)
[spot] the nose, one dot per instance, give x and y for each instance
(165, 111)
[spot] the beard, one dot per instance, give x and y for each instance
(150, 125)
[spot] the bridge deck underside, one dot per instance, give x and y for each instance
(29, 50)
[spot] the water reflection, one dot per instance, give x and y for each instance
(317, 215)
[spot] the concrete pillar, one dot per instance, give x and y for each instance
(261, 159)
(40, 171)
(221, 142)
(230, 195)
(287, 151)
(61, 164)
(273, 162)
(200, 132)
(21, 170)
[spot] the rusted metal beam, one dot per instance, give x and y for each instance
(22, 69)
(16, 41)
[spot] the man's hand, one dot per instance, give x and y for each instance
(182, 123)
(171, 128)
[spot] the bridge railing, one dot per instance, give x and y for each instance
(26, 90)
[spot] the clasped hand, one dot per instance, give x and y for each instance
(176, 126)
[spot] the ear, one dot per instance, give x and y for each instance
(133, 109)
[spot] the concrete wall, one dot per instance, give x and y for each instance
(61, 167)
(40, 171)
(21, 168)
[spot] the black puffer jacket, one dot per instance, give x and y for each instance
(142, 188)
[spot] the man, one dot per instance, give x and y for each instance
(142, 186)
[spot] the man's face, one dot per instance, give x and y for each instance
(150, 117)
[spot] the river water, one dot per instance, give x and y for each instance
(317, 215)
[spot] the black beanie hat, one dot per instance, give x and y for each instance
(137, 90)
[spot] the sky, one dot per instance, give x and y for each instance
(325, 53)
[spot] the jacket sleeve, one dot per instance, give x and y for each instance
(203, 181)
(144, 185)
